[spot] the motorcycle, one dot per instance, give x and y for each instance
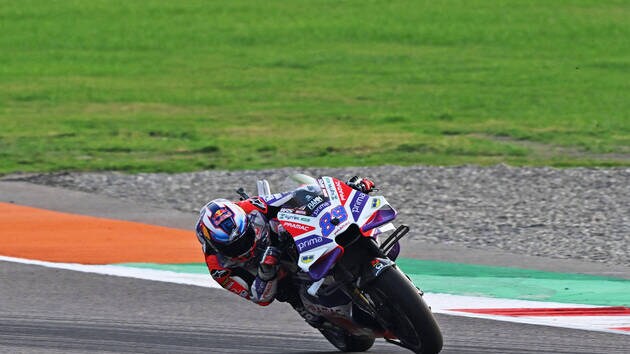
(341, 271)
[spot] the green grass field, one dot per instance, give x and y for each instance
(159, 85)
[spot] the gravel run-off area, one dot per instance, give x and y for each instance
(577, 213)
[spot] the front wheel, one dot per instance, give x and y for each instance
(403, 312)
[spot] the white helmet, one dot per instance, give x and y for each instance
(230, 231)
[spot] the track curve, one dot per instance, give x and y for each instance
(49, 311)
(44, 310)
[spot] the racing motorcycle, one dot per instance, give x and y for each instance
(343, 273)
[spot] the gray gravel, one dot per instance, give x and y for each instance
(575, 213)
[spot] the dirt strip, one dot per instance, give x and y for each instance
(33, 233)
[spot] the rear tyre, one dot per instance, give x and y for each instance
(403, 312)
(345, 341)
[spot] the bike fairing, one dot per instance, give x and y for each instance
(340, 206)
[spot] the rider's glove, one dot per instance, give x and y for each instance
(279, 237)
(269, 264)
(364, 185)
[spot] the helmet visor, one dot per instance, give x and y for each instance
(239, 246)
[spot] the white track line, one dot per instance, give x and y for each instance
(129, 272)
(440, 303)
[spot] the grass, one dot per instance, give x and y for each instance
(177, 86)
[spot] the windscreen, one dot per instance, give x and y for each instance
(307, 194)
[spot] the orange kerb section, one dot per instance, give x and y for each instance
(39, 234)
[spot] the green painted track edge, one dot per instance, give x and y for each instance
(487, 281)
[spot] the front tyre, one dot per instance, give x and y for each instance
(402, 311)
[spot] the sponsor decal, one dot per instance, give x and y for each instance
(341, 228)
(343, 190)
(220, 216)
(358, 202)
(293, 211)
(314, 203)
(310, 242)
(219, 273)
(307, 259)
(378, 266)
(298, 226)
(205, 232)
(330, 187)
(320, 208)
(296, 229)
(376, 203)
(237, 289)
(292, 217)
(221, 276)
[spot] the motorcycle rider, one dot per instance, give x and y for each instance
(242, 243)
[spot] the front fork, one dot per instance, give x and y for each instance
(380, 261)
(358, 296)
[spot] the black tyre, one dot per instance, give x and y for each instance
(403, 311)
(345, 341)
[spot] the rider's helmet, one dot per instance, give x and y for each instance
(231, 232)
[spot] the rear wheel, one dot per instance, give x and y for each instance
(403, 312)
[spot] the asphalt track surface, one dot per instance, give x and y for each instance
(45, 310)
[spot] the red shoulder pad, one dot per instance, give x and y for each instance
(253, 203)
